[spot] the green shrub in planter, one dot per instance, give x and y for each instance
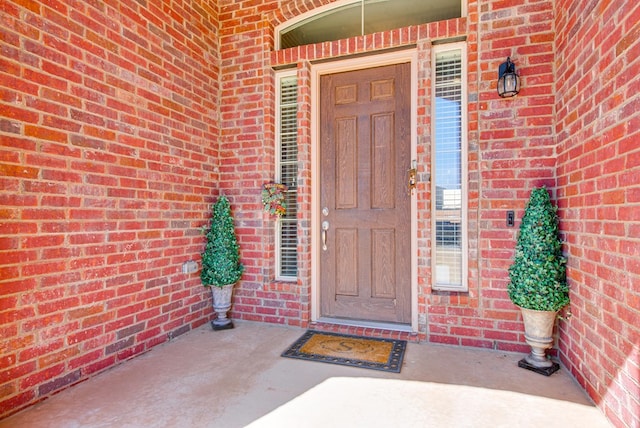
(538, 273)
(221, 257)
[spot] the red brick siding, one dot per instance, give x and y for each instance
(598, 128)
(511, 149)
(515, 151)
(118, 124)
(108, 130)
(247, 158)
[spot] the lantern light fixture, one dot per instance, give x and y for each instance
(508, 80)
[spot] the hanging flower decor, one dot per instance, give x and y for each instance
(273, 198)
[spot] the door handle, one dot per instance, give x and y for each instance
(325, 227)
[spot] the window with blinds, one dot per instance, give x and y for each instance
(448, 170)
(287, 173)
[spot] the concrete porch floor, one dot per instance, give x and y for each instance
(236, 378)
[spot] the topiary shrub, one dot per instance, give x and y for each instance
(538, 273)
(221, 257)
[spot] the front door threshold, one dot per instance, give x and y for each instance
(366, 328)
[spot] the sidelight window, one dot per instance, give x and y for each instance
(287, 173)
(449, 157)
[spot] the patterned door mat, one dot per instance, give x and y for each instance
(347, 350)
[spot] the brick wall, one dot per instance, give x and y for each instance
(515, 151)
(108, 132)
(598, 129)
(511, 149)
(118, 126)
(247, 159)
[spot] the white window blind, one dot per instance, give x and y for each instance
(287, 173)
(448, 166)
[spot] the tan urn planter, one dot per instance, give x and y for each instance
(538, 333)
(221, 305)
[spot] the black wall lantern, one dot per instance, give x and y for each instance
(508, 80)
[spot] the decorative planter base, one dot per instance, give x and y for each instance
(226, 326)
(538, 326)
(547, 371)
(221, 305)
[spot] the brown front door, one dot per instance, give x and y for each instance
(365, 139)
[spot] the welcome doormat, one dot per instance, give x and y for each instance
(346, 350)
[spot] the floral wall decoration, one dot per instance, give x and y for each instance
(273, 198)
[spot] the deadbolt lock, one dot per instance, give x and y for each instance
(412, 180)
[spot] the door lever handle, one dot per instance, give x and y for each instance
(325, 227)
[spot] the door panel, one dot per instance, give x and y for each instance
(346, 273)
(365, 271)
(383, 251)
(382, 168)
(346, 182)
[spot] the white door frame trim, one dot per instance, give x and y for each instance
(359, 63)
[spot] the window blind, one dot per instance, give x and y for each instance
(447, 165)
(287, 236)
